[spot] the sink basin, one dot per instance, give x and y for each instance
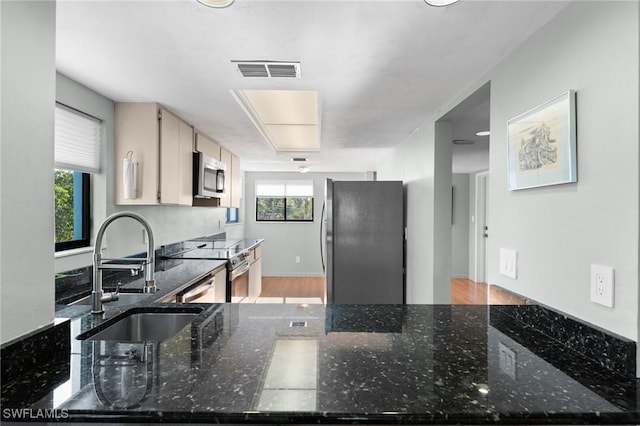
(142, 324)
(124, 299)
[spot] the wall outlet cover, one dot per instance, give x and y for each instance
(602, 285)
(507, 360)
(509, 263)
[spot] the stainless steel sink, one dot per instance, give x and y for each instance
(139, 326)
(124, 299)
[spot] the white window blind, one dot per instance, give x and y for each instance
(77, 141)
(270, 188)
(280, 188)
(299, 188)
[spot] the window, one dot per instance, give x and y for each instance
(77, 148)
(284, 201)
(232, 215)
(72, 209)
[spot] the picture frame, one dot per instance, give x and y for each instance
(542, 144)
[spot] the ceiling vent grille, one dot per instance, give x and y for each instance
(269, 69)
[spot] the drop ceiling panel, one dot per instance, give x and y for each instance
(284, 106)
(294, 137)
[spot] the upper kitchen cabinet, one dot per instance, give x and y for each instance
(207, 145)
(162, 145)
(236, 183)
(233, 184)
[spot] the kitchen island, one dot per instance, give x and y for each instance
(268, 363)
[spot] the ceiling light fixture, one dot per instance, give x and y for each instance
(483, 133)
(439, 3)
(216, 3)
(303, 169)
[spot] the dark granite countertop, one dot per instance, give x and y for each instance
(170, 276)
(243, 363)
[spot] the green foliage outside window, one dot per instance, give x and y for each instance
(72, 209)
(300, 208)
(64, 205)
(294, 209)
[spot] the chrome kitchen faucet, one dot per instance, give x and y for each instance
(98, 298)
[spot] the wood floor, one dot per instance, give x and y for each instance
(467, 292)
(293, 287)
(463, 291)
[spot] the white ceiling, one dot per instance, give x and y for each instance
(381, 67)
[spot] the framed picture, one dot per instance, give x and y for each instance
(542, 144)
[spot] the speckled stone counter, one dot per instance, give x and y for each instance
(242, 363)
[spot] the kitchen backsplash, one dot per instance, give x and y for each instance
(77, 283)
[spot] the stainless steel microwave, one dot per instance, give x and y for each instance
(208, 176)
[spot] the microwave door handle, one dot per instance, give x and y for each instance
(220, 180)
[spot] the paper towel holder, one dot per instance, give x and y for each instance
(130, 177)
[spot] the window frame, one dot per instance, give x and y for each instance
(228, 215)
(85, 213)
(284, 201)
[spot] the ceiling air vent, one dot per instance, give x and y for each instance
(463, 142)
(269, 69)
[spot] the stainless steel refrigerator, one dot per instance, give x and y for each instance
(363, 242)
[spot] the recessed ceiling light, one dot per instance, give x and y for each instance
(216, 3)
(439, 3)
(483, 133)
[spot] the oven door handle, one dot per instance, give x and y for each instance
(240, 269)
(196, 292)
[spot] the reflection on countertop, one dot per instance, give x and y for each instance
(285, 363)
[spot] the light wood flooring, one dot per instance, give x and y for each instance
(293, 287)
(463, 291)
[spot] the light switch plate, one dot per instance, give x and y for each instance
(602, 285)
(509, 263)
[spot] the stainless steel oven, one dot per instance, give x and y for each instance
(238, 277)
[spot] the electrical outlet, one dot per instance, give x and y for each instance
(507, 360)
(602, 285)
(297, 259)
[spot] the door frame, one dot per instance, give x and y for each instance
(481, 220)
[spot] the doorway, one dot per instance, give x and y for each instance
(470, 164)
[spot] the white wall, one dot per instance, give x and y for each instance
(426, 186)
(285, 241)
(460, 227)
(558, 231)
(26, 166)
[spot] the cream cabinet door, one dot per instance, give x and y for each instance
(136, 131)
(220, 286)
(176, 147)
(207, 145)
(236, 182)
